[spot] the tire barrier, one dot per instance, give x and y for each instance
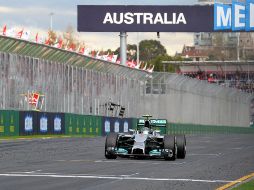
(9, 123)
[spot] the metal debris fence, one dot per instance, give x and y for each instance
(73, 83)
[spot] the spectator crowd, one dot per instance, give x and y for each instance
(244, 81)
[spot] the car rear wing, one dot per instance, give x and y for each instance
(153, 122)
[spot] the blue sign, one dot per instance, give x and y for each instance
(107, 126)
(28, 123)
(235, 17)
(57, 124)
(43, 124)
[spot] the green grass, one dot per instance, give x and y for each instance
(245, 186)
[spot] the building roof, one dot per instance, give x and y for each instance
(191, 51)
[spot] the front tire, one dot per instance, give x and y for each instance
(111, 142)
(170, 144)
(181, 146)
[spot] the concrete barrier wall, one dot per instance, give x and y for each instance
(188, 108)
(185, 100)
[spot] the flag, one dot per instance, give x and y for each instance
(93, 53)
(47, 41)
(118, 61)
(131, 64)
(150, 70)
(87, 51)
(28, 98)
(4, 30)
(36, 38)
(58, 43)
(82, 50)
(98, 56)
(10, 32)
(114, 58)
(138, 65)
(77, 49)
(20, 33)
(41, 39)
(25, 35)
(105, 57)
(110, 57)
(72, 47)
(66, 47)
(35, 98)
(144, 68)
(55, 44)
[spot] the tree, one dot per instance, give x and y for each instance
(151, 53)
(149, 49)
(51, 37)
(163, 67)
(71, 39)
(131, 51)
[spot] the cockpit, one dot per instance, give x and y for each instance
(147, 128)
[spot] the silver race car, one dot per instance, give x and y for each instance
(146, 141)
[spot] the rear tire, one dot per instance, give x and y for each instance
(170, 143)
(181, 146)
(111, 141)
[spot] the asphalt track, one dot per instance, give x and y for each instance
(79, 163)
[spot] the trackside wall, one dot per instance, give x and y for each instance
(27, 123)
(185, 100)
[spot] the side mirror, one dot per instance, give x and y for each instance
(132, 131)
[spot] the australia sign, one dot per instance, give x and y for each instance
(116, 18)
(209, 18)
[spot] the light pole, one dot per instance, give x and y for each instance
(123, 47)
(137, 48)
(238, 43)
(51, 20)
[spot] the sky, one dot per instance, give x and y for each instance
(34, 16)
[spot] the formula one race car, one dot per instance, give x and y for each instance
(145, 142)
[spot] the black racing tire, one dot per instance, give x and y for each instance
(181, 146)
(111, 141)
(170, 143)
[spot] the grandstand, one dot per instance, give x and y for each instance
(73, 83)
(233, 74)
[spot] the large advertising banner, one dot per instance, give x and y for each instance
(116, 125)
(41, 123)
(194, 18)
(115, 18)
(28, 123)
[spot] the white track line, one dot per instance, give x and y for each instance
(112, 177)
(204, 154)
(236, 148)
